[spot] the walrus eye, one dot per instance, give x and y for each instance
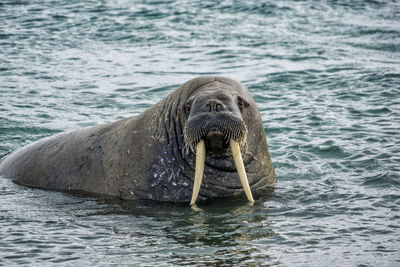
(187, 106)
(242, 103)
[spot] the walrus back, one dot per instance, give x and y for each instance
(63, 161)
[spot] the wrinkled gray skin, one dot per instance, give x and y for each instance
(144, 156)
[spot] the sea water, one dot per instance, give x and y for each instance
(326, 79)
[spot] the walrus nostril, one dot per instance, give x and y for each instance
(214, 106)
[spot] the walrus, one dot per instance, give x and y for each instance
(202, 141)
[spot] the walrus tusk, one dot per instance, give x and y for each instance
(199, 169)
(237, 158)
(198, 173)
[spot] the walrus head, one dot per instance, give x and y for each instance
(215, 118)
(215, 126)
(211, 143)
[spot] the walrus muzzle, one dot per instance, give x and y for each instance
(234, 132)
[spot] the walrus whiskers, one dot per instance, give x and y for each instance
(196, 129)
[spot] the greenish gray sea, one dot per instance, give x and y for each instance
(325, 76)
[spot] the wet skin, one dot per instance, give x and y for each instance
(153, 155)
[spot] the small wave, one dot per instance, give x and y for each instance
(384, 179)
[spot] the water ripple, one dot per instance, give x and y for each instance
(325, 76)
